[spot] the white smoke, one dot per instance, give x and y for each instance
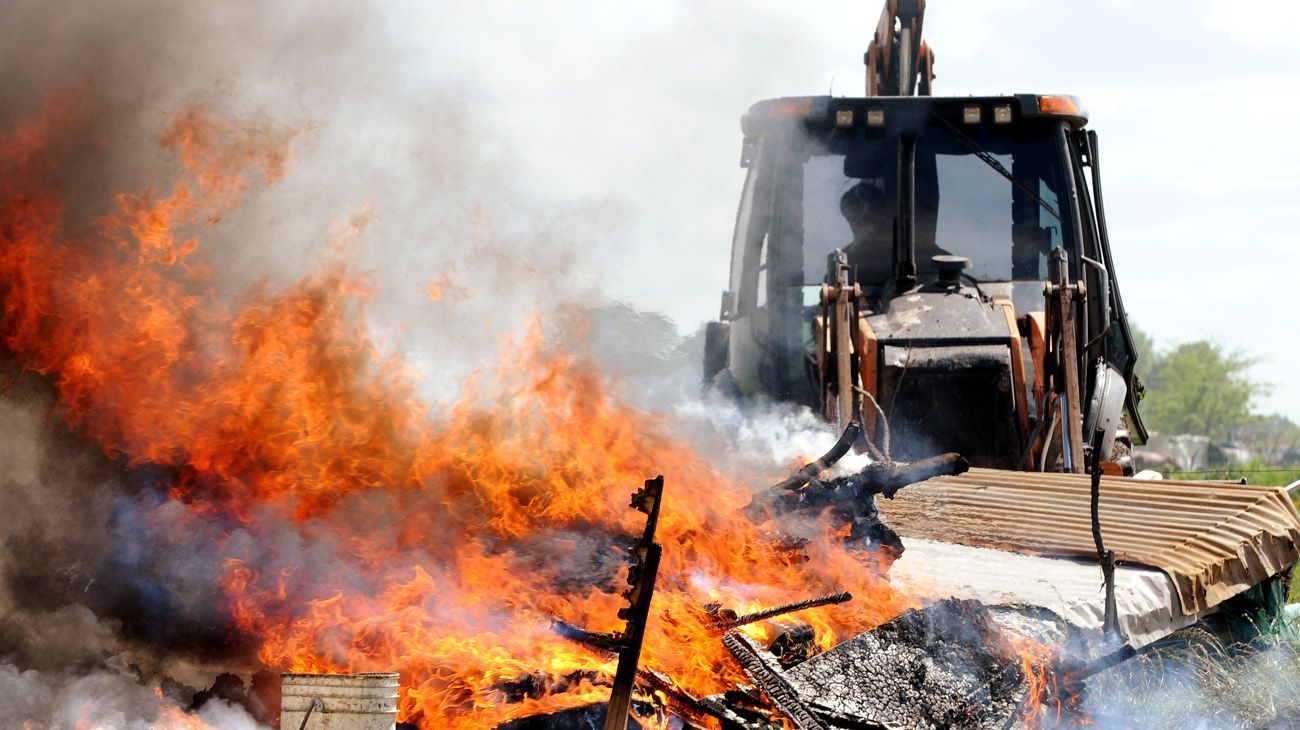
(112, 697)
(1196, 679)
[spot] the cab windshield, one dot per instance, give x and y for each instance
(988, 192)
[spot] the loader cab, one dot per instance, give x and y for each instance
(902, 185)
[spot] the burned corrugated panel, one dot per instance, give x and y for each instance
(1214, 540)
(1069, 588)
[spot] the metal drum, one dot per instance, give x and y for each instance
(338, 701)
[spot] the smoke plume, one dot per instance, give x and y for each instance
(246, 255)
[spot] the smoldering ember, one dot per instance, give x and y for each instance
(249, 481)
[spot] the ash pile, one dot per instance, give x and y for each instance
(929, 668)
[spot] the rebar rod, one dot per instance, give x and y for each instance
(775, 611)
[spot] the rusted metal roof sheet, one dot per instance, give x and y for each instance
(1214, 540)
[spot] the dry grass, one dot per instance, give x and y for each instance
(1194, 680)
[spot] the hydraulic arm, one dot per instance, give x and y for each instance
(898, 62)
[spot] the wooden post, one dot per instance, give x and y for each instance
(1073, 427)
(642, 579)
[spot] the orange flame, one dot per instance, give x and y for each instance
(447, 538)
(1049, 701)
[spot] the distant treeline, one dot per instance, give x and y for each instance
(1201, 388)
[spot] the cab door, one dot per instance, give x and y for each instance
(1107, 351)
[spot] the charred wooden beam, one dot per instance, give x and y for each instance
(812, 469)
(678, 700)
(602, 643)
(745, 708)
(707, 711)
(805, 491)
(677, 697)
(888, 477)
(852, 498)
(885, 478)
(770, 681)
(641, 577)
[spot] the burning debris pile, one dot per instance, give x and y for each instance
(947, 665)
(264, 450)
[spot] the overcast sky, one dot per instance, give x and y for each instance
(637, 104)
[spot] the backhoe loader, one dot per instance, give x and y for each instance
(936, 268)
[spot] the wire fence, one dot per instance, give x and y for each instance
(1257, 474)
(1232, 470)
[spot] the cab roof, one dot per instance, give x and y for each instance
(881, 111)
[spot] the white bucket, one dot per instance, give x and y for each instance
(338, 701)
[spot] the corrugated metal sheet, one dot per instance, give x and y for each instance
(1214, 540)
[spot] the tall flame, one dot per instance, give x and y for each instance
(438, 543)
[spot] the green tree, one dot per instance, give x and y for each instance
(1147, 355)
(1197, 387)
